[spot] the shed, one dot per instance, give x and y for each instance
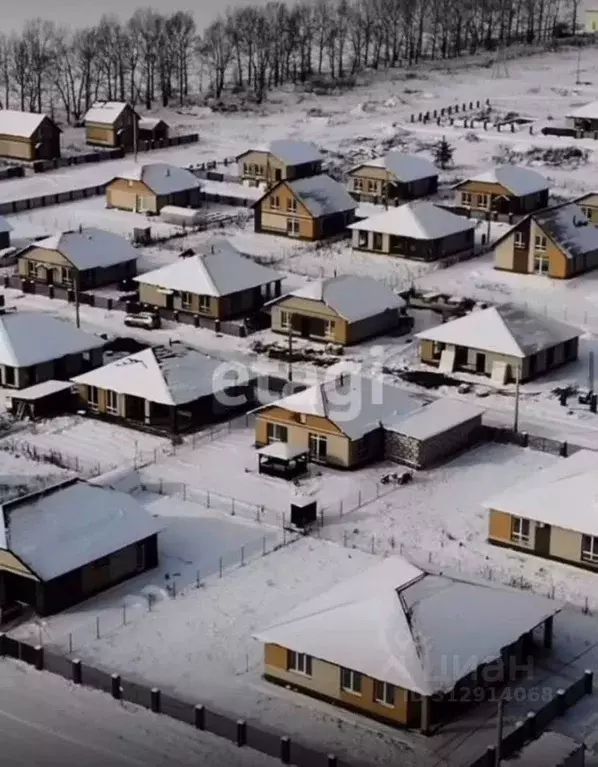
(152, 129)
(174, 214)
(43, 400)
(435, 431)
(280, 459)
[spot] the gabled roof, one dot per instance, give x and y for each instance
(60, 530)
(354, 404)
(88, 248)
(419, 220)
(569, 228)
(587, 111)
(398, 624)
(433, 419)
(405, 167)
(28, 338)
(21, 124)
(150, 123)
(167, 375)
(352, 297)
(515, 179)
(105, 112)
(321, 195)
(220, 272)
(547, 495)
(502, 330)
(290, 151)
(162, 179)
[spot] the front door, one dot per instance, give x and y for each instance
(49, 275)
(318, 447)
(542, 541)
(480, 363)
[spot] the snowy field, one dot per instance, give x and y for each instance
(20, 473)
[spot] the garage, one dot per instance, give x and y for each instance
(432, 433)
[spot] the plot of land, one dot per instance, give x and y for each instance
(21, 474)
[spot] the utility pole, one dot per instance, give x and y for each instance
(135, 135)
(578, 78)
(290, 348)
(76, 287)
(499, 730)
(591, 373)
(517, 387)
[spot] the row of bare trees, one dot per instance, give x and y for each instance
(162, 58)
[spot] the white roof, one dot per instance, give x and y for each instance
(570, 228)
(517, 180)
(406, 167)
(588, 111)
(21, 124)
(282, 450)
(417, 631)
(168, 375)
(163, 179)
(89, 248)
(437, 417)
(416, 220)
(547, 495)
(294, 152)
(69, 527)
(29, 338)
(322, 195)
(43, 389)
(352, 297)
(149, 123)
(355, 404)
(219, 273)
(502, 330)
(105, 112)
(189, 214)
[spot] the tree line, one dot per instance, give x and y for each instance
(156, 58)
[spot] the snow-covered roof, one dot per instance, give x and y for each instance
(294, 152)
(150, 123)
(515, 179)
(405, 167)
(30, 338)
(163, 179)
(355, 404)
(570, 228)
(322, 195)
(88, 248)
(418, 631)
(546, 495)
(432, 419)
(43, 389)
(220, 272)
(4, 225)
(105, 112)
(419, 220)
(167, 375)
(551, 749)
(352, 297)
(69, 527)
(282, 450)
(504, 330)
(21, 124)
(587, 111)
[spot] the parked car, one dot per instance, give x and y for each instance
(147, 320)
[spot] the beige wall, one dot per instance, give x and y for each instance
(426, 355)
(559, 264)
(500, 529)
(266, 162)
(591, 21)
(374, 180)
(130, 195)
(504, 253)
(565, 544)
(307, 308)
(102, 400)
(17, 148)
(12, 564)
(274, 218)
(590, 204)
(480, 187)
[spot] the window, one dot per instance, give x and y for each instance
(329, 329)
(204, 303)
(9, 376)
(362, 239)
(466, 199)
(587, 212)
(276, 433)
(437, 349)
(384, 693)
(318, 447)
(540, 242)
(358, 184)
(112, 402)
(92, 398)
(589, 549)
(520, 530)
(351, 681)
(541, 264)
(372, 186)
(186, 300)
(292, 205)
(293, 226)
(285, 320)
(483, 201)
(31, 269)
(519, 243)
(378, 241)
(299, 662)
(66, 276)
(275, 202)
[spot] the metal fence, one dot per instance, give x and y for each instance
(45, 200)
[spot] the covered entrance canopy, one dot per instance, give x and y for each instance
(279, 459)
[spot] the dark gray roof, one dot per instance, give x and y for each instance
(409, 167)
(570, 228)
(89, 248)
(322, 195)
(293, 152)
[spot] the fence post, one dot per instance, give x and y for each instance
(264, 546)
(532, 724)
(241, 732)
(124, 615)
(200, 717)
(2, 644)
(97, 627)
(332, 760)
(285, 749)
(39, 657)
(561, 703)
(220, 566)
(115, 686)
(232, 511)
(242, 556)
(588, 682)
(155, 700)
(76, 671)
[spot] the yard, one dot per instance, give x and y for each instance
(21, 473)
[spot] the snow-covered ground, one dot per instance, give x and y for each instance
(21, 473)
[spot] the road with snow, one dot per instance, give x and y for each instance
(47, 722)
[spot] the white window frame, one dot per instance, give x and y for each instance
(111, 402)
(93, 398)
(66, 275)
(589, 553)
(293, 227)
(299, 663)
(32, 269)
(275, 202)
(518, 535)
(186, 300)
(362, 239)
(278, 435)
(292, 205)
(358, 184)
(482, 200)
(285, 320)
(541, 263)
(587, 212)
(540, 243)
(384, 693)
(204, 303)
(519, 241)
(317, 439)
(330, 329)
(466, 199)
(372, 186)
(351, 681)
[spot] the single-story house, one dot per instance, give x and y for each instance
(551, 749)
(415, 230)
(584, 119)
(338, 421)
(111, 124)
(85, 258)
(284, 159)
(166, 388)
(433, 432)
(551, 514)
(148, 188)
(501, 342)
(507, 190)
(309, 208)
(152, 129)
(588, 203)
(344, 310)
(221, 284)
(402, 645)
(28, 136)
(396, 176)
(36, 347)
(558, 242)
(61, 545)
(5, 230)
